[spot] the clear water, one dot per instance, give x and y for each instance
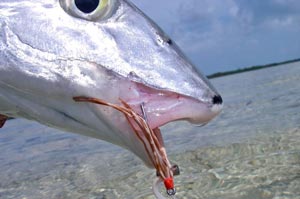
(251, 151)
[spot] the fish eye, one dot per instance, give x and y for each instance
(87, 6)
(91, 10)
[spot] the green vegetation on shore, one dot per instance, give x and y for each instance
(220, 74)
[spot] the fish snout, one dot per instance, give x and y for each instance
(200, 113)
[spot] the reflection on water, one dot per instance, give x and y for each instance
(252, 150)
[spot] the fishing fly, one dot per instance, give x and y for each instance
(153, 145)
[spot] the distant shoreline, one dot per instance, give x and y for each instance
(251, 68)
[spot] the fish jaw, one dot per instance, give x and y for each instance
(155, 108)
(158, 108)
(162, 107)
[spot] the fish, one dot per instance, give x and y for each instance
(54, 52)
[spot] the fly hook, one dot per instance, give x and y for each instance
(144, 112)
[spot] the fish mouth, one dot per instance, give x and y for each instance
(146, 112)
(160, 107)
(157, 107)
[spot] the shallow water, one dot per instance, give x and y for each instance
(251, 151)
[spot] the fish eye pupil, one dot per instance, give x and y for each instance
(87, 6)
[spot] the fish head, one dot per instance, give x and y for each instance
(133, 47)
(106, 49)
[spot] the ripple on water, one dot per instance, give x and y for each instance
(267, 167)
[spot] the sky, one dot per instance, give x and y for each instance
(222, 35)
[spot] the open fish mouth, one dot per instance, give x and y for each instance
(150, 138)
(161, 107)
(157, 107)
(151, 110)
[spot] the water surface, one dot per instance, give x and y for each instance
(251, 151)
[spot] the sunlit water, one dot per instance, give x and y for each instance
(251, 151)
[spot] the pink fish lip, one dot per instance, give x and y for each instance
(164, 107)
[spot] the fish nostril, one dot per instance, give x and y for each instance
(217, 99)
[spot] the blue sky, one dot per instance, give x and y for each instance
(221, 35)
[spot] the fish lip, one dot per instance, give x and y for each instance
(199, 113)
(162, 107)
